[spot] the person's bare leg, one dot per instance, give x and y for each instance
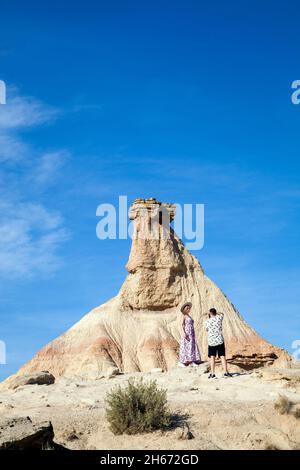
(224, 364)
(212, 365)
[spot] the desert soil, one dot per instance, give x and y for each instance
(223, 413)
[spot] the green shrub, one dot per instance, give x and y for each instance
(137, 408)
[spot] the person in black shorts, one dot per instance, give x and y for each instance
(216, 346)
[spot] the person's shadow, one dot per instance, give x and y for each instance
(237, 374)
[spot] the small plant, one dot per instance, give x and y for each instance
(283, 405)
(271, 446)
(297, 413)
(137, 408)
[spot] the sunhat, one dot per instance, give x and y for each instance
(187, 304)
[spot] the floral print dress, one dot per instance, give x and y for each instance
(189, 351)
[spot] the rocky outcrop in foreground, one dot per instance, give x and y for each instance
(140, 328)
(23, 434)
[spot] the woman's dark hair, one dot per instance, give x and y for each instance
(213, 311)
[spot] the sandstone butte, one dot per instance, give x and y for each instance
(140, 328)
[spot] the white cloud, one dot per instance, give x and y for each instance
(20, 112)
(24, 111)
(30, 236)
(30, 232)
(48, 166)
(12, 148)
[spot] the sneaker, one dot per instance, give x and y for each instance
(227, 374)
(194, 364)
(181, 365)
(212, 376)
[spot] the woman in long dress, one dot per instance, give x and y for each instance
(189, 352)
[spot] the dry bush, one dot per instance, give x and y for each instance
(137, 408)
(297, 412)
(283, 405)
(271, 446)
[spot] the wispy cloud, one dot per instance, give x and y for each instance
(12, 148)
(19, 113)
(30, 232)
(30, 235)
(24, 111)
(48, 167)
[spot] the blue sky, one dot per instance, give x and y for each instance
(188, 102)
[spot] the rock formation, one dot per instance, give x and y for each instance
(20, 433)
(140, 328)
(36, 378)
